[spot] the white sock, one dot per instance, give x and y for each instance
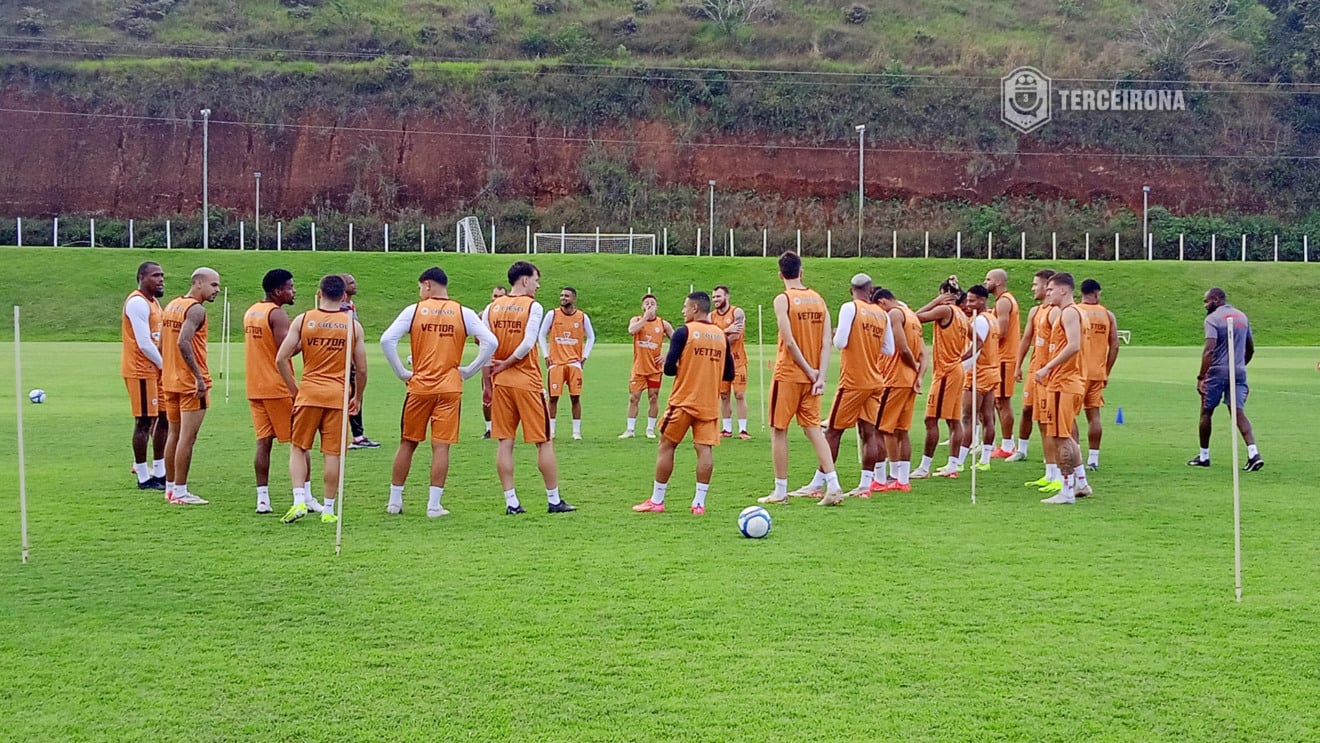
(817, 480)
(1205, 454)
(650, 424)
(878, 471)
(962, 455)
(867, 478)
(511, 498)
(577, 426)
(926, 463)
(487, 426)
(263, 495)
(307, 486)
(140, 469)
(700, 498)
(1069, 490)
(1079, 475)
(299, 496)
(831, 481)
(552, 427)
(180, 489)
(1022, 446)
(1252, 451)
(158, 468)
(632, 424)
(169, 489)
(396, 495)
(552, 496)
(742, 425)
(658, 491)
(436, 494)
(781, 486)
(1053, 473)
(1008, 445)
(986, 451)
(329, 506)
(728, 425)
(1093, 457)
(904, 470)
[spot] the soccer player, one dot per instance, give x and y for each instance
(1212, 380)
(265, 324)
(902, 373)
(321, 336)
(1099, 351)
(982, 354)
(1035, 342)
(566, 340)
(140, 365)
(518, 396)
(495, 294)
(700, 358)
(360, 440)
(186, 380)
(1064, 383)
(437, 328)
(944, 403)
(734, 322)
(801, 365)
(1009, 319)
(648, 333)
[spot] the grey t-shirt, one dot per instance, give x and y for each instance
(1216, 326)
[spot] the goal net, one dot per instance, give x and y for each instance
(594, 242)
(470, 239)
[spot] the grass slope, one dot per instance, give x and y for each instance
(1160, 302)
(913, 617)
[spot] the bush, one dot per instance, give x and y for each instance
(626, 26)
(535, 44)
(857, 14)
(643, 7)
(545, 7)
(32, 22)
(479, 27)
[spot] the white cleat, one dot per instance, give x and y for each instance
(1084, 490)
(314, 505)
(1059, 499)
(188, 499)
(1016, 456)
(650, 433)
(394, 509)
(773, 499)
(948, 470)
(807, 491)
(832, 498)
(628, 435)
(435, 513)
(577, 437)
(264, 508)
(921, 473)
(859, 492)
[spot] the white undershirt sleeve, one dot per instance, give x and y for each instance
(389, 340)
(486, 343)
(591, 337)
(543, 340)
(887, 346)
(138, 313)
(847, 311)
(534, 316)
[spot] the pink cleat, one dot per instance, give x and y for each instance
(649, 506)
(698, 510)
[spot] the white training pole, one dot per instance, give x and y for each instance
(343, 433)
(760, 349)
(976, 414)
(229, 326)
(1237, 492)
(22, 472)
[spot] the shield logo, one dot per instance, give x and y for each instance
(1025, 99)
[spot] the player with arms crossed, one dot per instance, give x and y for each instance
(1064, 383)
(566, 340)
(700, 359)
(437, 328)
(983, 354)
(321, 336)
(1212, 380)
(1099, 352)
(518, 397)
(1009, 320)
(648, 332)
(1035, 339)
(944, 403)
(186, 380)
(734, 322)
(902, 373)
(801, 366)
(140, 365)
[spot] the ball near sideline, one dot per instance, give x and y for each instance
(37, 396)
(754, 522)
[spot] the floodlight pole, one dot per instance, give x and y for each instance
(710, 236)
(1145, 230)
(206, 196)
(256, 226)
(861, 180)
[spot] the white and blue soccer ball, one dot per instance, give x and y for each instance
(754, 522)
(37, 396)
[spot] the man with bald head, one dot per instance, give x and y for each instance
(1212, 381)
(186, 380)
(1009, 329)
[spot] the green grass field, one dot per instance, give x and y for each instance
(912, 617)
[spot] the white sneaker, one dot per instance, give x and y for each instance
(1059, 499)
(859, 492)
(314, 505)
(920, 473)
(650, 433)
(394, 509)
(807, 491)
(435, 513)
(263, 508)
(948, 470)
(628, 435)
(577, 437)
(773, 498)
(188, 499)
(1017, 456)
(1084, 490)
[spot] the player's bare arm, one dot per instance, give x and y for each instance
(279, 325)
(1003, 308)
(901, 347)
(669, 329)
(1112, 356)
(291, 346)
(1072, 328)
(786, 335)
(818, 386)
(738, 329)
(1028, 338)
(636, 324)
(191, 322)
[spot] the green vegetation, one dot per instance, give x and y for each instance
(1159, 302)
(906, 617)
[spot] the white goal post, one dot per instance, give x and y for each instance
(630, 243)
(470, 239)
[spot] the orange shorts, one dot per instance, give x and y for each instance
(945, 399)
(896, 405)
(1007, 379)
(1094, 397)
(644, 382)
(273, 418)
(793, 399)
(676, 422)
(739, 383)
(309, 420)
(512, 406)
(176, 403)
(1062, 409)
(986, 384)
(1042, 401)
(849, 406)
(565, 378)
(1029, 388)
(440, 411)
(144, 396)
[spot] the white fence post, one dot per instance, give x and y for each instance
(799, 241)
(20, 231)
(732, 250)
(989, 246)
(1212, 248)
(241, 237)
(958, 253)
(313, 237)
(563, 238)
(91, 233)
(895, 251)
(423, 242)
(1086, 256)
(279, 235)
(598, 240)
(350, 237)
(665, 233)
(927, 244)
(387, 237)
(169, 240)
(1115, 246)
(1150, 246)
(829, 243)
(528, 244)
(492, 234)
(1024, 246)
(130, 233)
(1306, 248)
(1054, 245)
(1276, 248)
(55, 233)
(698, 241)
(1244, 247)
(765, 242)
(1181, 244)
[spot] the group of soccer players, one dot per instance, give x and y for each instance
(977, 350)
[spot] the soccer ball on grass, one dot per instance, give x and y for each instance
(37, 396)
(754, 522)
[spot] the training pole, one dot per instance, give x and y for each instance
(22, 473)
(760, 350)
(1237, 491)
(343, 432)
(976, 413)
(228, 327)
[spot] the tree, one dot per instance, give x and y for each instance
(730, 15)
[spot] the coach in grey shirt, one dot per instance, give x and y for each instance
(1212, 382)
